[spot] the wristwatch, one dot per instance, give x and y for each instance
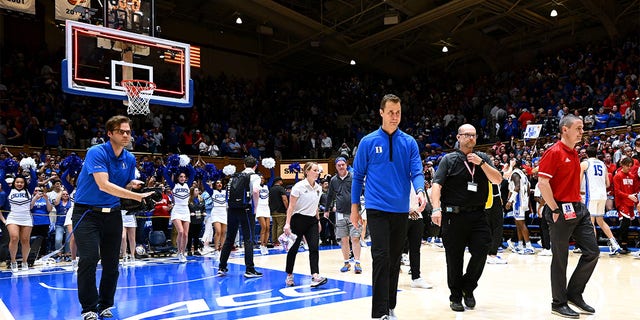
(482, 162)
(557, 210)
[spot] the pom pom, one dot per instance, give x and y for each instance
(148, 168)
(27, 164)
(184, 160)
(73, 163)
(201, 174)
(137, 173)
(268, 163)
(172, 163)
(10, 166)
(295, 167)
(229, 169)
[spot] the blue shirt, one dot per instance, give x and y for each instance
(101, 158)
(389, 162)
(40, 212)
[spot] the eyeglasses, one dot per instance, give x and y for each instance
(469, 135)
(122, 132)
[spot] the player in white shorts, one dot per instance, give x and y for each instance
(519, 203)
(594, 180)
(263, 213)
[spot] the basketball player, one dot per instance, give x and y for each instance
(595, 180)
(519, 203)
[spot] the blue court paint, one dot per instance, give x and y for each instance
(164, 289)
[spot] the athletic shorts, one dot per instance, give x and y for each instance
(344, 228)
(597, 207)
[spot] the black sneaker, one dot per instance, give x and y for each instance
(252, 274)
(222, 271)
(456, 306)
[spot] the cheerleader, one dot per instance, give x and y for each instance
(217, 218)
(129, 226)
(263, 213)
(19, 221)
(180, 215)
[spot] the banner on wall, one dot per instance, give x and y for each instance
(65, 9)
(286, 174)
(26, 6)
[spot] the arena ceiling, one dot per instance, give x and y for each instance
(324, 35)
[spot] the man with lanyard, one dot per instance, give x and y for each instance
(107, 175)
(567, 216)
(458, 195)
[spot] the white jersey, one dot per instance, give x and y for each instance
(219, 202)
(521, 203)
(595, 185)
(20, 213)
(262, 209)
(181, 195)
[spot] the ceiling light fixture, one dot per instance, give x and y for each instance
(554, 13)
(238, 20)
(445, 49)
(352, 62)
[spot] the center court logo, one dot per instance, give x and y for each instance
(246, 304)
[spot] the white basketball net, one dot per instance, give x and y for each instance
(138, 92)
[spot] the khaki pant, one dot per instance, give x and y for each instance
(278, 220)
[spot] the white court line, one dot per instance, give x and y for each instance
(5, 314)
(44, 285)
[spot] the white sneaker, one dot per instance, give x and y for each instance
(496, 260)
(25, 266)
(420, 283)
(636, 254)
(392, 314)
(181, 257)
(264, 251)
(405, 259)
(14, 267)
(577, 250)
(545, 253)
(74, 264)
(511, 246)
(306, 246)
(206, 250)
(363, 244)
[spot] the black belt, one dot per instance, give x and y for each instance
(458, 209)
(98, 209)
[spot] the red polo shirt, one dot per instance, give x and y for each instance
(561, 165)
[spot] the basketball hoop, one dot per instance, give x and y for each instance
(138, 92)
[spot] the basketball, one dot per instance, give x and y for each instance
(140, 250)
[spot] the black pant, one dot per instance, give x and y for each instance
(625, 223)
(4, 242)
(141, 221)
(388, 232)
(545, 239)
(560, 231)
(328, 234)
(415, 229)
(307, 227)
(161, 224)
(495, 218)
(460, 230)
(98, 236)
(235, 218)
(41, 230)
(193, 239)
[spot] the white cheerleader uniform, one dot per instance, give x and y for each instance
(20, 213)
(67, 218)
(128, 220)
(262, 209)
(219, 210)
(180, 209)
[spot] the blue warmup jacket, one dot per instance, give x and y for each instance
(388, 162)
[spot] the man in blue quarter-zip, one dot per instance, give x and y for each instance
(389, 159)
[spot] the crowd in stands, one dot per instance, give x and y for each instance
(326, 115)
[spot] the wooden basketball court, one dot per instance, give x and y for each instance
(162, 288)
